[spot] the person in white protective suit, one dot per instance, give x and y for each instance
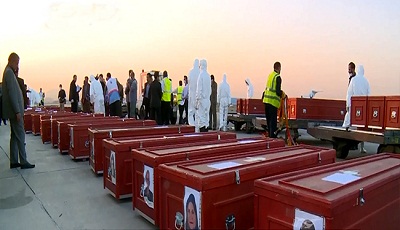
(224, 99)
(96, 95)
(192, 82)
(203, 94)
(250, 88)
(358, 86)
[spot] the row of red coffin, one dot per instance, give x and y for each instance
(378, 112)
(233, 168)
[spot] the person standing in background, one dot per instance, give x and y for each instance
(113, 96)
(133, 94)
(155, 99)
(193, 76)
(203, 94)
(74, 94)
(146, 96)
(213, 108)
(128, 102)
(13, 109)
(224, 99)
(185, 98)
(180, 101)
(86, 95)
(166, 87)
(250, 88)
(359, 86)
(96, 95)
(272, 99)
(41, 95)
(62, 98)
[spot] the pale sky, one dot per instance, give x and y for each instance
(313, 39)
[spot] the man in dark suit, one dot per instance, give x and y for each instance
(146, 96)
(13, 109)
(74, 94)
(155, 99)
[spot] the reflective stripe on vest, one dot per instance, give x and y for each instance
(270, 96)
(166, 96)
(179, 94)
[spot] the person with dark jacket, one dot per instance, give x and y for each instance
(213, 108)
(155, 99)
(61, 98)
(86, 95)
(146, 96)
(74, 94)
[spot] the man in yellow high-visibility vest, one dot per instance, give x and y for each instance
(272, 99)
(166, 87)
(180, 100)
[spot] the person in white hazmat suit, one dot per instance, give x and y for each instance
(224, 99)
(192, 82)
(250, 88)
(203, 94)
(358, 86)
(96, 95)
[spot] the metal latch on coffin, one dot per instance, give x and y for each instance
(319, 157)
(360, 199)
(110, 134)
(87, 144)
(230, 222)
(237, 176)
(178, 220)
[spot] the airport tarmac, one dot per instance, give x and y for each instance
(64, 194)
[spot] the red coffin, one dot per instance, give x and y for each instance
(392, 114)
(376, 112)
(36, 122)
(45, 124)
(54, 125)
(121, 149)
(222, 188)
(253, 106)
(79, 137)
(358, 115)
(97, 135)
(316, 109)
(153, 157)
(28, 121)
(356, 194)
(62, 136)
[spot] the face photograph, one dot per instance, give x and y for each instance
(192, 209)
(148, 186)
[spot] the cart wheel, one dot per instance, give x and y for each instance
(342, 150)
(238, 126)
(249, 127)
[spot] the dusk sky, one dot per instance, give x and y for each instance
(313, 39)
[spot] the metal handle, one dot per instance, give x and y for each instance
(375, 114)
(361, 197)
(319, 157)
(86, 144)
(178, 220)
(358, 113)
(110, 134)
(268, 145)
(179, 129)
(237, 176)
(142, 191)
(230, 222)
(393, 115)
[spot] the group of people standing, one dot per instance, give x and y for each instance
(106, 95)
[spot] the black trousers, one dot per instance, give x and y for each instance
(165, 112)
(213, 116)
(181, 108)
(271, 114)
(146, 103)
(155, 114)
(115, 109)
(128, 107)
(74, 106)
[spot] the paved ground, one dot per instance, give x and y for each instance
(63, 194)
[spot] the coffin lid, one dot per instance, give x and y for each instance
(220, 171)
(327, 185)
